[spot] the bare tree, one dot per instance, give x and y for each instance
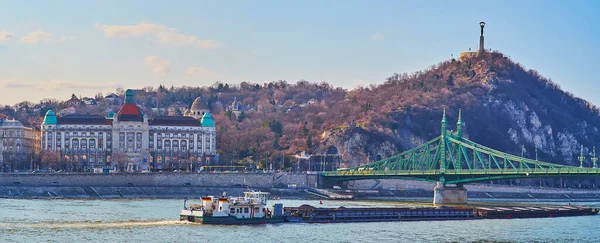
(50, 159)
(121, 160)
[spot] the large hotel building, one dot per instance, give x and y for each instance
(165, 142)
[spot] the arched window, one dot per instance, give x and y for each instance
(183, 145)
(175, 144)
(167, 144)
(83, 143)
(75, 143)
(92, 143)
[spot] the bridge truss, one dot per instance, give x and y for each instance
(452, 159)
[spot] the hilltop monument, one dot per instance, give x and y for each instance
(481, 47)
(468, 54)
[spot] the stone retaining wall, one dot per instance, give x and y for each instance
(264, 180)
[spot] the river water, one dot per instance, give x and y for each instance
(151, 220)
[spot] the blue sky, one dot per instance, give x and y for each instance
(50, 49)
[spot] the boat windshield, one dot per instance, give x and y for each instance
(259, 196)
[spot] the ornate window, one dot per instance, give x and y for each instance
(183, 145)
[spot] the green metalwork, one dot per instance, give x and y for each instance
(594, 158)
(581, 158)
(452, 159)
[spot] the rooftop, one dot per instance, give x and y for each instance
(174, 121)
(83, 119)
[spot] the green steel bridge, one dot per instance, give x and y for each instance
(453, 159)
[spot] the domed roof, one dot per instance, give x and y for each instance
(50, 118)
(199, 104)
(207, 120)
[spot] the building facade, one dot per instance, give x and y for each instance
(19, 145)
(128, 140)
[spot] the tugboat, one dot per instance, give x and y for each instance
(250, 209)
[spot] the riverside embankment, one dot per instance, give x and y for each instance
(285, 185)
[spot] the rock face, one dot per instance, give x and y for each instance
(357, 146)
(505, 107)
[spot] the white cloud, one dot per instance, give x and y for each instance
(199, 71)
(175, 38)
(161, 33)
(377, 37)
(35, 37)
(67, 38)
(159, 65)
(58, 85)
(130, 30)
(4, 36)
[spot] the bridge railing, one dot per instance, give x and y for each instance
(532, 171)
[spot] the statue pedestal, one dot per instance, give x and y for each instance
(449, 195)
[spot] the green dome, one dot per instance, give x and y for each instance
(50, 118)
(207, 120)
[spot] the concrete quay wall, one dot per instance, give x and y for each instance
(260, 180)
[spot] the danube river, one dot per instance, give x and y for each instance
(157, 221)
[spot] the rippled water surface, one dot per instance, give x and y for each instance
(157, 221)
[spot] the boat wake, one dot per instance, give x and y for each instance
(97, 224)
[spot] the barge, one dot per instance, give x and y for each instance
(310, 214)
(252, 209)
(532, 212)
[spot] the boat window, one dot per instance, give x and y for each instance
(237, 210)
(246, 210)
(232, 210)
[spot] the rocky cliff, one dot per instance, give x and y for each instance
(505, 106)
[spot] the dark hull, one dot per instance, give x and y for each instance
(230, 220)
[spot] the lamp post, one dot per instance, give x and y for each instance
(482, 24)
(481, 39)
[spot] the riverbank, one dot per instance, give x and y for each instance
(181, 192)
(280, 185)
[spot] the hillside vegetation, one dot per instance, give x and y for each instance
(505, 106)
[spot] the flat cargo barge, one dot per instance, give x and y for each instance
(310, 214)
(532, 212)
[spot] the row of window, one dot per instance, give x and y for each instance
(11, 133)
(160, 159)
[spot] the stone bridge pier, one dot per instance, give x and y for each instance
(444, 194)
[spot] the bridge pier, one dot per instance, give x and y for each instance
(443, 194)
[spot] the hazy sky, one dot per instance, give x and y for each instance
(50, 49)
